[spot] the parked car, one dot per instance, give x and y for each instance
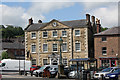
(40, 71)
(104, 72)
(34, 67)
(114, 75)
(53, 71)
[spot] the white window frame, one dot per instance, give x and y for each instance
(32, 35)
(57, 47)
(104, 50)
(75, 46)
(47, 47)
(64, 35)
(31, 48)
(66, 47)
(53, 32)
(43, 34)
(79, 32)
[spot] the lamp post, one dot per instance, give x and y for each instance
(60, 41)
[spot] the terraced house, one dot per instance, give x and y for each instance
(42, 45)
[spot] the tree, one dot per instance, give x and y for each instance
(103, 29)
(4, 55)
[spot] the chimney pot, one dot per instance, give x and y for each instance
(39, 21)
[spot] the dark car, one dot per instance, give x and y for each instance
(113, 75)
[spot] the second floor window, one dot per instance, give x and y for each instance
(45, 47)
(54, 47)
(33, 35)
(77, 32)
(54, 33)
(103, 38)
(64, 47)
(104, 50)
(33, 49)
(64, 33)
(77, 46)
(45, 34)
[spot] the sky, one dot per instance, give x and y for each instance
(18, 12)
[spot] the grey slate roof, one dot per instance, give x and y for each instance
(111, 31)
(14, 45)
(72, 24)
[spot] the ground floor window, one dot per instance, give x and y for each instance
(105, 63)
(44, 61)
(65, 61)
(33, 61)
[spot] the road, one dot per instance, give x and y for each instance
(16, 76)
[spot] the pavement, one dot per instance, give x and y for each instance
(16, 76)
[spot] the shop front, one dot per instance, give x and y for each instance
(108, 61)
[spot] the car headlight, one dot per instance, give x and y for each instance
(112, 75)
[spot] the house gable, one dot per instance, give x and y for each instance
(54, 24)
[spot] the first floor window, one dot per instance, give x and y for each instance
(45, 61)
(54, 47)
(45, 34)
(33, 48)
(64, 47)
(104, 50)
(104, 39)
(65, 61)
(45, 47)
(77, 32)
(54, 33)
(33, 61)
(64, 33)
(77, 46)
(33, 35)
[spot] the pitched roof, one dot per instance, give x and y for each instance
(15, 45)
(111, 31)
(72, 24)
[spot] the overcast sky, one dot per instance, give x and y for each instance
(18, 13)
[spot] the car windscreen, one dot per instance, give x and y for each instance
(116, 70)
(42, 68)
(107, 70)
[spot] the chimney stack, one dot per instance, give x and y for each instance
(93, 19)
(88, 18)
(98, 25)
(39, 21)
(30, 21)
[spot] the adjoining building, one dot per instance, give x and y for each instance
(42, 44)
(107, 47)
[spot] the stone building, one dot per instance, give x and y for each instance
(42, 45)
(107, 47)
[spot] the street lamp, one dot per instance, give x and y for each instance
(60, 41)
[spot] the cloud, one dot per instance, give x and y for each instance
(106, 12)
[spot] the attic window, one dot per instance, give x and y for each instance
(54, 24)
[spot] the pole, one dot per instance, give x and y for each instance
(19, 54)
(60, 55)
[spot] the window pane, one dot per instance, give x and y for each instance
(103, 38)
(64, 47)
(33, 48)
(104, 50)
(77, 32)
(65, 61)
(45, 61)
(77, 46)
(33, 61)
(54, 33)
(64, 33)
(44, 34)
(33, 35)
(45, 47)
(54, 47)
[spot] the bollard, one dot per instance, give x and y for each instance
(102, 76)
(31, 73)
